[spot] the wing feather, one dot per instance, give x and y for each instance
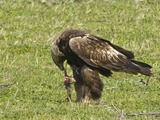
(97, 53)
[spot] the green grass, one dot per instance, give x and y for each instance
(27, 29)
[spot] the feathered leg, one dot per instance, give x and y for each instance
(79, 84)
(88, 84)
(92, 82)
(79, 88)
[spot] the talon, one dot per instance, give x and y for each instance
(69, 80)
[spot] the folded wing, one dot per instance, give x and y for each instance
(98, 53)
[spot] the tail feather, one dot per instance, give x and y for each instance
(139, 67)
(141, 64)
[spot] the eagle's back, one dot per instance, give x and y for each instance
(82, 48)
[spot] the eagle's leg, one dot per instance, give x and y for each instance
(83, 93)
(87, 96)
(67, 82)
(79, 88)
(93, 85)
(88, 85)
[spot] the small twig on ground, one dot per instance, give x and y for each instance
(111, 88)
(6, 85)
(121, 115)
(148, 114)
(145, 83)
(120, 112)
(156, 78)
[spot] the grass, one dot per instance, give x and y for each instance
(29, 27)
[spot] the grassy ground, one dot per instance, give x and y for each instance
(27, 29)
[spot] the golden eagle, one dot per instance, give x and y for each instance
(88, 55)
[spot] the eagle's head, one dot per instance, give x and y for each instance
(57, 56)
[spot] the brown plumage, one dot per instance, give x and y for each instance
(89, 55)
